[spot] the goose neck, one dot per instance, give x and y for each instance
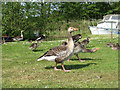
(70, 41)
(21, 34)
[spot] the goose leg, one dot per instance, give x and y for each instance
(79, 58)
(55, 68)
(68, 60)
(64, 68)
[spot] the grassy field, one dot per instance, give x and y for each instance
(20, 68)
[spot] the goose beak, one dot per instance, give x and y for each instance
(97, 48)
(75, 29)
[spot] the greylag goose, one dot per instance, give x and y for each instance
(35, 45)
(78, 47)
(117, 47)
(18, 38)
(60, 53)
(85, 41)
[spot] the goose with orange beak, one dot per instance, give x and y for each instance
(60, 53)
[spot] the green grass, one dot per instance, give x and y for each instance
(20, 68)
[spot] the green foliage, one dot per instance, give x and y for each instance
(49, 17)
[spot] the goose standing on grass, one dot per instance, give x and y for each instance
(35, 45)
(19, 38)
(78, 47)
(60, 53)
(85, 41)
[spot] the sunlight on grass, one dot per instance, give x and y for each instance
(20, 68)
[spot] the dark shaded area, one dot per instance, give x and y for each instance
(77, 66)
(85, 59)
(37, 50)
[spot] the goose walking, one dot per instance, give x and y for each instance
(60, 53)
(18, 38)
(78, 47)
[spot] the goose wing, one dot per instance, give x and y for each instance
(18, 38)
(56, 51)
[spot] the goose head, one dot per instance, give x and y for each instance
(71, 29)
(22, 31)
(95, 49)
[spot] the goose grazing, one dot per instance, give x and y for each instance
(85, 41)
(60, 53)
(117, 47)
(110, 44)
(35, 45)
(78, 47)
(18, 38)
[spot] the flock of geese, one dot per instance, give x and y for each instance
(114, 47)
(65, 51)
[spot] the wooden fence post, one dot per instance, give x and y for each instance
(111, 31)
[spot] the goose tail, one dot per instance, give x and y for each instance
(41, 58)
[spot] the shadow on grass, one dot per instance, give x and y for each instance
(37, 50)
(85, 59)
(77, 66)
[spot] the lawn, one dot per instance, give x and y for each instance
(20, 68)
